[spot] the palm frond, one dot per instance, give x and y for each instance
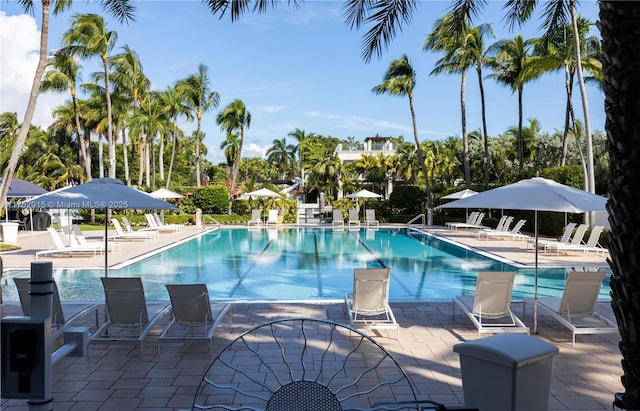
(123, 10)
(241, 7)
(518, 11)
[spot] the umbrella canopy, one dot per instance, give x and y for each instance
(460, 194)
(263, 192)
(537, 194)
(99, 193)
(22, 188)
(165, 194)
(364, 194)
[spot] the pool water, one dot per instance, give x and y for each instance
(308, 264)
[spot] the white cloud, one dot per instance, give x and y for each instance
(20, 44)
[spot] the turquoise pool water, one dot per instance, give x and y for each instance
(307, 264)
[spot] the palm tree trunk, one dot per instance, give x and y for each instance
(565, 135)
(621, 60)
(100, 157)
(125, 159)
(82, 151)
(485, 134)
(111, 144)
(465, 138)
(520, 136)
(585, 103)
(197, 142)
(173, 150)
(31, 105)
(420, 153)
(236, 167)
(161, 158)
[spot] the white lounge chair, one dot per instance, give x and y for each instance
(576, 309)
(162, 226)
(256, 218)
(503, 226)
(590, 245)
(576, 239)
(490, 308)
(566, 236)
(135, 235)
(77, 238)
(193, 317)
(63, 315)
(338, 220)
(513, 233)
(128, 228)
(354, 220)
(71, 250)
(471, 218)
(477, 223)
(370, 219)
(368, 304)
(272, 217)
(129, 317)
(152, 223)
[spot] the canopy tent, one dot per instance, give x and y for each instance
(99, 193)
(536, 194)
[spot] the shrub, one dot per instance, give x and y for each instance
(211, 199)
(406, 199)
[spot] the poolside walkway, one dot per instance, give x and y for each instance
(115, 377)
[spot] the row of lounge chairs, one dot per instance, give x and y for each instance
(353, 223)
(490, 308)
(130, 318)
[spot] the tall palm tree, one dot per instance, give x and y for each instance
(121, 9)
(301, 137)
(235, 118)
(455, 60)
(62, 75)
(174, 105)
(88, 37)
(201, 98)
(229, 146)
(281, 155)
(514, 65)
(400, 80)
(129, 80)
(561, 47)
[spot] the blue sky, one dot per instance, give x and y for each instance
(293, 69)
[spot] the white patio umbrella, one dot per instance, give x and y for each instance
(99, 193)
(164, 194)
(461, 194)
(263, 192)
(364, 194)
(536, 194)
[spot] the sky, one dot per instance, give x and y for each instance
(293, 68)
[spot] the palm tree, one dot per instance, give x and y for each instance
(62, 75)
(230, 148)
(281, 155)
(121, 9)
(456, 60)
(173, 105)
(235, 118)
(129, 80)
(399, 80)
(514, 65)
(561, 47)
(198, 95)
(301, 137)
(88, 37)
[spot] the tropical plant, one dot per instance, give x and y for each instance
(282, 155)
(173, 104)
(400, 80)
(121, 9)
(198, 95)
(87, 37)
(235, 118)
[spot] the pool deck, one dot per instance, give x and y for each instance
(116, 377)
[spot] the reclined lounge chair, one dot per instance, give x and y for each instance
(368, 304)
(490, 308)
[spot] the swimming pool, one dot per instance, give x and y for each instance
(303, 263)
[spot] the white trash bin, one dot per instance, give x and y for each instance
(9, 232)
(506, 372)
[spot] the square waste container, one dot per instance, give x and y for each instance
(506, 372)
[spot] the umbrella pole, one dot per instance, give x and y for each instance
(535, 274)
(106, 244)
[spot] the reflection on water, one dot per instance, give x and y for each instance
(308, 263)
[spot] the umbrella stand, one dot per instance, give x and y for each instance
(535, 285)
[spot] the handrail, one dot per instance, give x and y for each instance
(419, 216)
(208, 217)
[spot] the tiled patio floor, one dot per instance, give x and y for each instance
(116, 377)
